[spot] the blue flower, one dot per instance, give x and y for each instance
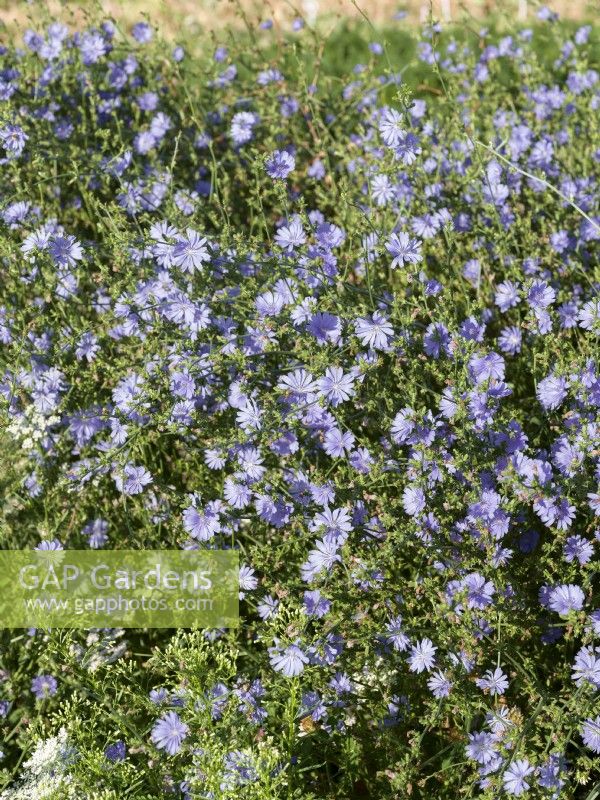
(566, 598)
(514, 776)
(13, 139)
(578, 548)
(439, 685)
(403, 249)
(116, 752)
(315, 605)
(169, 733)
(590, 733)
(324, 556)
(589, 316)
(201, 525)
(291, 235)
(44, 686)
(551, 391)
(191, 252)
(586, 668)
(413, 500)
(279, 164)
(142, 32)
(290, 661)
(92, 47)
(133, 479)
(65, 250)
(336, 386)
(422, 656)
(267, 607)
(391, 127)
(242, 127)
(336, 442)
(374, 332)
(396, 635)
(496, 682)
(481, 747)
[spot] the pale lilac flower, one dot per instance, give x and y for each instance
(391, 127)
(242, 127)
(336, 442)
(422, 656)
(337, 523)
(496, 682)
(507, 295)
(44, 686)
(590, 733)
(552, 391)
(65, 250)
(540, 295)
(589, 316)
(267, 607)
(488, 366)
(169, 732)
(566, 598)
(510, 340)
(587, 666)
(578, 548)
(439, 685)
(479, 591)
(315, 605)
(326, 328)
(336, 386)
(142, 32)
(92, 47)
(375, 332)
(481, 747)
(290, 662)
(396, 635)
(514, 777)
(247, 579)
(133, 479)
(13, 139)
(324, 556)
(413, 500)
(403, 249)
(298, 382)
(279, 164)
(594, 503)
(201, 525)
(291, 235)
(191, 252)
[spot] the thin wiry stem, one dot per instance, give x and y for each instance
(546, 183)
